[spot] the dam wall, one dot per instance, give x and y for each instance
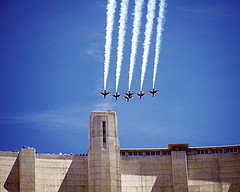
(203, 169)
(30, 171)
(107, 168)
(213, 169)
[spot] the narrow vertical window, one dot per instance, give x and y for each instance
(104, 134)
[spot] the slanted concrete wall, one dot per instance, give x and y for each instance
(193, 170)
(30, 172)
(214, 172)
(9, 172)
(61, 173)
(176, 168)
(146, 174)
(65, 173)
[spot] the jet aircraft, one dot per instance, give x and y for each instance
(140, 94)
(129, 94)
(127, 97)
(104, 93)
(153, 91)
(116, 95)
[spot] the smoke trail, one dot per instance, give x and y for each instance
(121, 38)
(161, 20)
(110, 20)
(135, 34)
(147, 41)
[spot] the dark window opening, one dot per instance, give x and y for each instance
(166, 153)
(202, 152)
(104, 134)
(147, 153)
(123, 154)
(231, 150)
(190, 152)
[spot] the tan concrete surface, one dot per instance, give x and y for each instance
(27, 170)
(179, 171)
(9, 172)
(104, 153)
(176, 168)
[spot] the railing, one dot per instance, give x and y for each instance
(189, 151)
(215, 150)
(133, 153)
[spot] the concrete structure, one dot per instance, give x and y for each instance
(107, 168)
(104, 153)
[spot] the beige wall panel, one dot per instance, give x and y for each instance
(216, 172)
(9, 172)
(64, 173)
(141, 173)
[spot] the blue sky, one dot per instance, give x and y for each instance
(51, 70)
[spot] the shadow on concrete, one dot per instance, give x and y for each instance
(12, 181)
(159, 186)
(212, 177)
(76, 176)
(219, 177)
(233, 187)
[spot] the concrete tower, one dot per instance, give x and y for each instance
(104, 153)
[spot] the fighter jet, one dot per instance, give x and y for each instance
(140, 94)
(104, 93)
(127, 97)
(153, 91)
(116, 95)
(129, 94)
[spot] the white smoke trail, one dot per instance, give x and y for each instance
(147, 41)
(121, 38)
(162, 5)
(135, 34)
(110, 21)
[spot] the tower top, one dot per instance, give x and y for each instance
(103, 113)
